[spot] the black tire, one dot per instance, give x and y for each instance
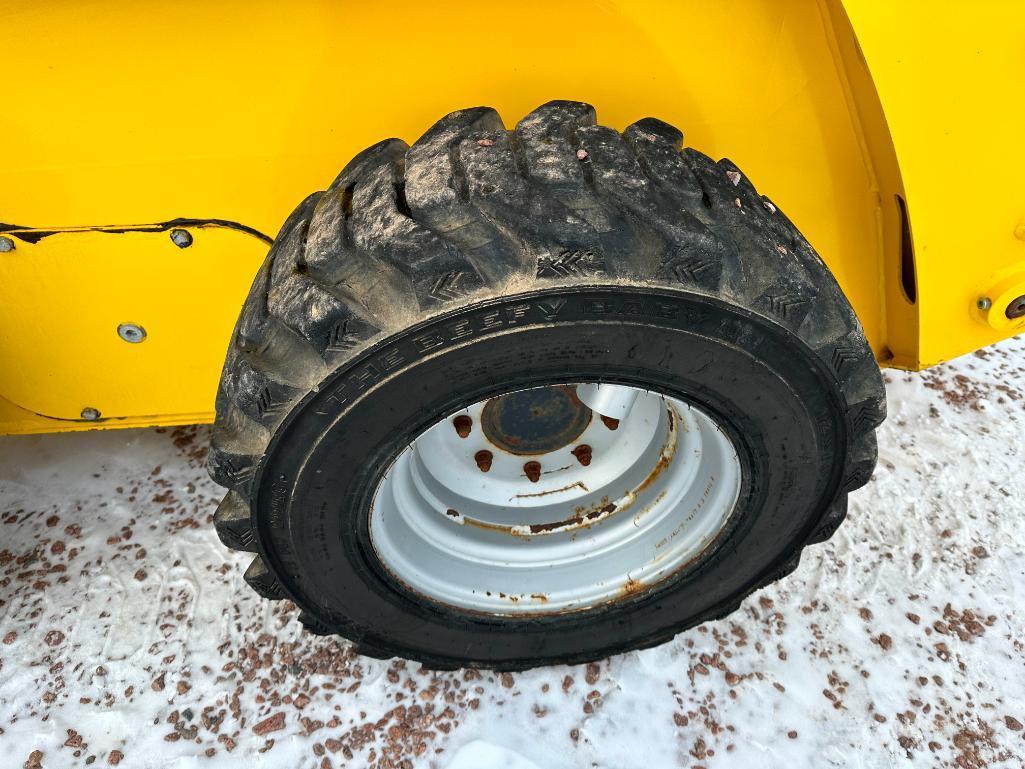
(480, 259)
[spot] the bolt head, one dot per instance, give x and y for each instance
(90, 414)
(6, 244)
(181, 238)
(984, 303)
(131, 332)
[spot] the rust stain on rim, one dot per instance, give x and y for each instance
(582, 516)
(576, 484)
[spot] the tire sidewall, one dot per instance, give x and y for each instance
(767, 390)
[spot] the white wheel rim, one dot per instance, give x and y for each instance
(658, 490)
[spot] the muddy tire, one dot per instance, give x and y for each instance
(481, 262)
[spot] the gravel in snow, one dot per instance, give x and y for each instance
(127, 636)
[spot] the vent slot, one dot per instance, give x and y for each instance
(908, 281)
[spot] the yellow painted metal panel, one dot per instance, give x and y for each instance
(236, 111)
(63, 297)
(15, 420)
(947, 75)
(896, 338)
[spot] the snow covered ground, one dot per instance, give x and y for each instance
(127, 635)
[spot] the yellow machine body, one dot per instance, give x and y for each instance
(888, 132)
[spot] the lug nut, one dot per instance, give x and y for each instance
(609, 422)
(463, 425)
(90, 414)
(583, 454)
(533, 471)
(6, 244)
(181, 238)
(483, 458)
(984, 303)
(131, 332)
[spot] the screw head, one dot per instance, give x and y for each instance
(984, 303)
(6, 244)
(90, 414)
(131, 332)
(181, 238)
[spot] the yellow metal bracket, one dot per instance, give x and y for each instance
(1005, 289)
(65, 293)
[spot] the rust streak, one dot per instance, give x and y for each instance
(632, 587)
(577, 484)
(571, 391)
(668, 452)
(582, 515)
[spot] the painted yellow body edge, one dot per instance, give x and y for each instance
(944, 75)
(897, 345)
(790, 90)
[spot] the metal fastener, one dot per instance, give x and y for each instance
(582, 454)
(131, 332)
(181, 238)
(483, 458)
(90, 414)
(6, 244)
(463, 425)
(984, 304)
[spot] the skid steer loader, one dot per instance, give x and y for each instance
(541, 380)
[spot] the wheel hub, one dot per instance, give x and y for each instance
(535, 421)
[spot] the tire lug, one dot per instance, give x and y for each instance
(262, 581)
(233, 524)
